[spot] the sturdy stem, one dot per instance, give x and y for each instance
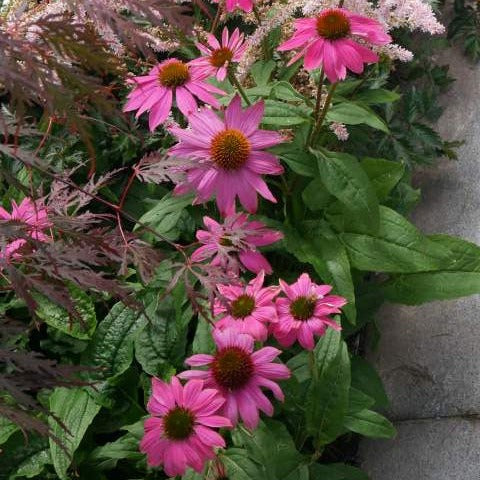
(323, 113)
(123, 197)
(318, 103)
(216, 19)
(321, 79)
(234, 81)
(311, 364)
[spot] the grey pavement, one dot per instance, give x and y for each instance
(429, 355)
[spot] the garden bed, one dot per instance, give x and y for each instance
(204, 206)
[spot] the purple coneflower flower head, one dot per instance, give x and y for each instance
(230, 154)
(304, 312)
(240, 374)
(217, 57)
(169, 80)
(234, 243)
(247, 309)
(181, 431)
(33, 216)
(328, 41)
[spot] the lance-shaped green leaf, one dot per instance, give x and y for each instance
(397, 247)
(76, 409)
(110, 351)
(354, 114)
(459, 278)
(370, 424)
(327, 400)
(345, 179)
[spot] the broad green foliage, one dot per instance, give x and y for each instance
(75, 409)
(57, 317)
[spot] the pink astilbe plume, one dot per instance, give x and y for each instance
(172, 78)
(327, 40)
(216, 57)
(231, 5)
(305, 312)
(180, 433)
(230, 155)
(247, 309)
(34, 220)
(234, 243)
(240, 373)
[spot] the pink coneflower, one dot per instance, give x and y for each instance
(180, 433)
(33, 216)
(247, 309)
(239, 374)
(217, 57)
(304, 313)
(245, 5)
(230, 155)
(234, 242)
(326, 40)
(154, 92)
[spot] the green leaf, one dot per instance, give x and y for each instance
(262, 71)
(327, 400)
(345, 179)
(272, 448)
(299, 367)
(76, 409)
(366, 379)
(377, 96)
(7, 429)
(151, 347)
(19, 454)
(459, 278)
(358, 401)
(398, 247)
(369, 424)
(111, 348)
(203, 340)
(330, 260)
(124, 448)
(162, 341)
(285, 91)
(336, 260)
(239, 466)
(336, 471)
(384, 175)
(316, 196)
(192, 475)
(326, 350)
(165, 215)
(296, 156)
(57, 317)
(350, 113)
(281, 114)
(33, 465)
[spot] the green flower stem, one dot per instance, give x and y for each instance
(318, 103)
(216, 20)
(312, 365)
(234, 81)
(323, 113)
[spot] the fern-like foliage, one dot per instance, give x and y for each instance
(465, 27)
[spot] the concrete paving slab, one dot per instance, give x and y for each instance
(451, 189)
(429, 356)
(441, 449)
